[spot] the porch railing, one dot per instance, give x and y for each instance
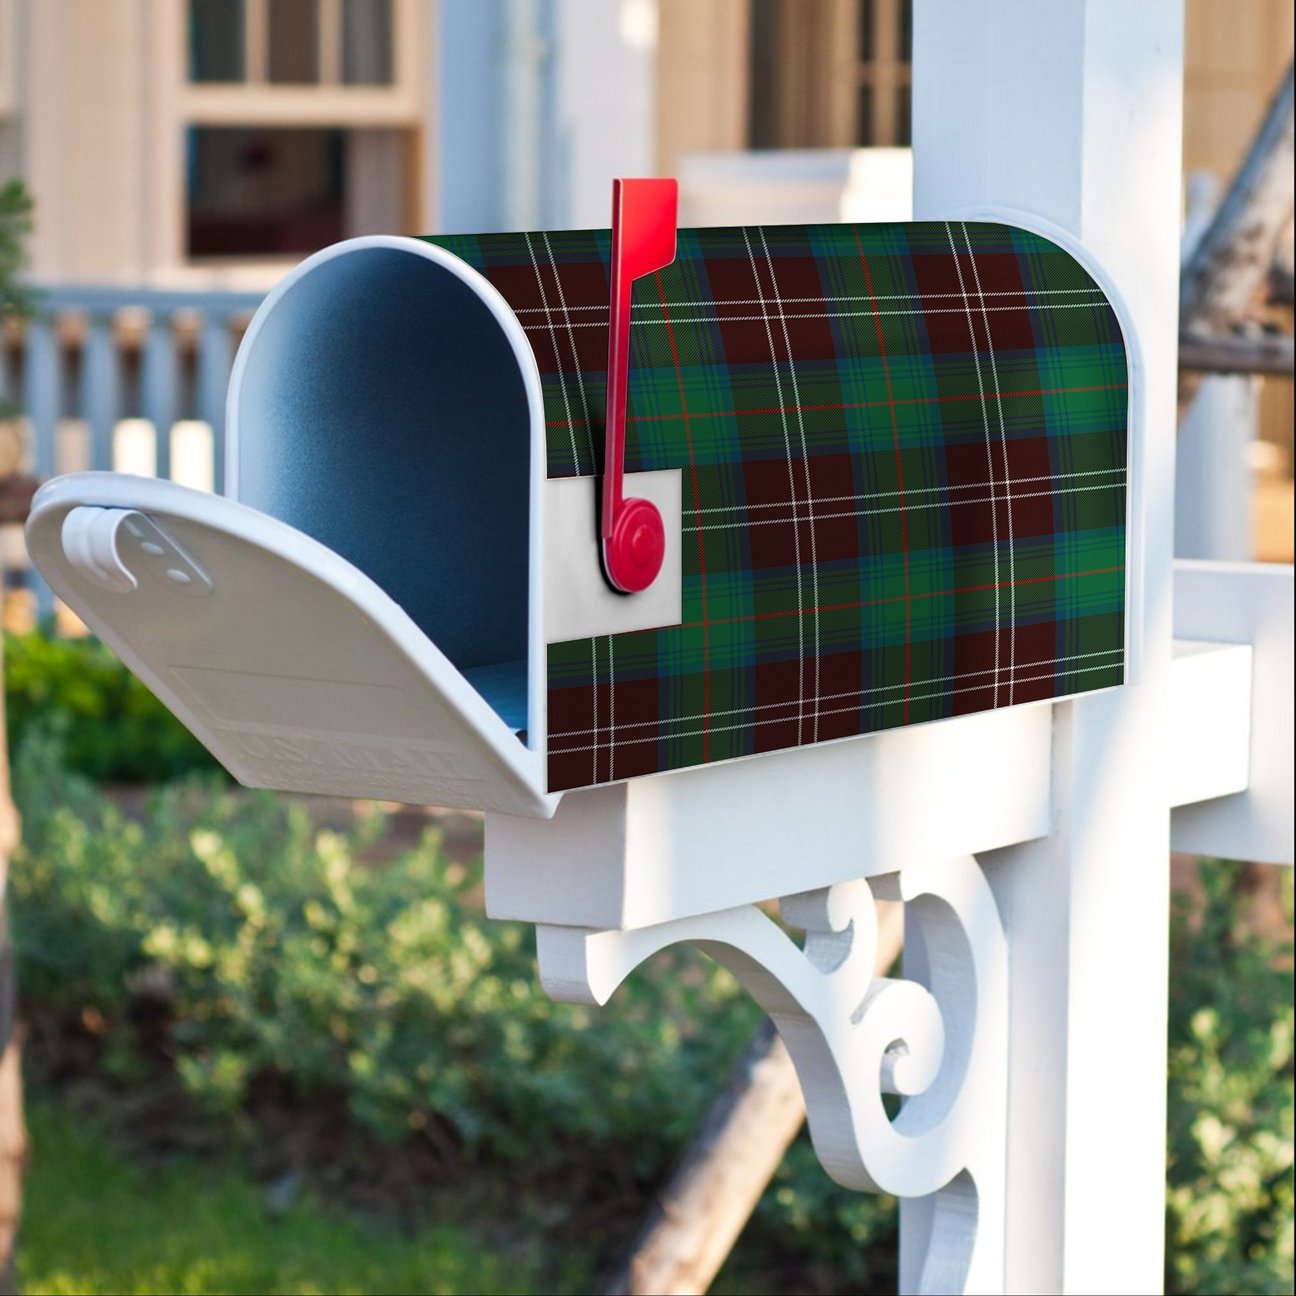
(125, 379)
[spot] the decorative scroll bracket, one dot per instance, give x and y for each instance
(938, 1037)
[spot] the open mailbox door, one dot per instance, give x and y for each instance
(293, 667)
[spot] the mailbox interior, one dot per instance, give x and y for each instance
(384, 403)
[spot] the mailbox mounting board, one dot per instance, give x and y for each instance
(904, 454)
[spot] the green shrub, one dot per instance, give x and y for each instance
(282, 954)
(1229, 1201)
(113, 728)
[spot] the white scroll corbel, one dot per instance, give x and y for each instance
(936, 1037)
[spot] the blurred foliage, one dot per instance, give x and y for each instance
(1230, 1197)
(16, 207)
(281, 953)
(112, 728)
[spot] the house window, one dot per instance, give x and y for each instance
(367, 41)
(830, 73)
(265, 192)
(8, 34)
(293, 53)
(291, 42)
(300, 122)
(257, 192)
(216, 47)
(884, 71)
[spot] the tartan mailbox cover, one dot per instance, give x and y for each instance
(891, 461)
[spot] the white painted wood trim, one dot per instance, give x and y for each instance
(579, 603)
(346, 107)
(8, 57)
(1248, 604)
(678, 845)
(937, 1036)
(1073, 112)
(1208, 746)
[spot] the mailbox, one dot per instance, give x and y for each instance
(889, 463)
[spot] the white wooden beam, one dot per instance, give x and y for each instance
(1072, 112)
(1208, 744)
(1214, 508)
(658, 849)
(1245, 603)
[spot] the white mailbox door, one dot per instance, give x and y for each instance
(287, 662)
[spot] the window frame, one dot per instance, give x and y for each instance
(255, 100)
(8, 57)
(815, 96)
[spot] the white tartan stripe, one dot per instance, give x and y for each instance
(919, 697)
(797, 301)
(580, 383)
(917, 490)
(990, 467)
(553, 338)
(571, 339)
(795, 315)
(1003, 443)
(805, 471)
(853, 693)
(905, 508)
(796, 533)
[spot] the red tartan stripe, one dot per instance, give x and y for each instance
(904, 598)
(818, 409)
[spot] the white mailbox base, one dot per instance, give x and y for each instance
(678, 845)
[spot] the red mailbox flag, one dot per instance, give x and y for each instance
(644, 217)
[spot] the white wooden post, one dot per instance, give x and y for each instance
(1214, 515)
(1072, 112)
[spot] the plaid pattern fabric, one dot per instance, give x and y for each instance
(904, 464)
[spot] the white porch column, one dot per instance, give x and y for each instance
(604, 88)
(1072, 111)
(1214, 510)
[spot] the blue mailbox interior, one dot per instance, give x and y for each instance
(382, 411)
